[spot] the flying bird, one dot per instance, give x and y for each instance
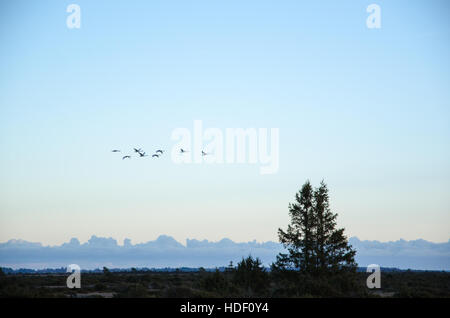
(142, 154)
(155, 155)
(137, 150)
(160, 151)
(183, 151)
(126, 157)
(115, 150)
(204, 153)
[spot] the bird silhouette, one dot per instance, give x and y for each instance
(137, 150)
(183, 151)
(160, 151)
(204, 153)
(126, 157)
(115, 150)
(155, 155)
(142, 154)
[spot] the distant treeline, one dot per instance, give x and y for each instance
(63, 270)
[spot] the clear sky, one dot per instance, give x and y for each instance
(365, 109)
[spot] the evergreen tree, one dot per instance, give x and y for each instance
(332, 249)
(298, 238)
(251, 275)
(313, 243)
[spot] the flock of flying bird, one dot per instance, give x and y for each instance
(157, 153)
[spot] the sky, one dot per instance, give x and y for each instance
(366, 110)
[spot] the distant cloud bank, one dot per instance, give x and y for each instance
(165, 251)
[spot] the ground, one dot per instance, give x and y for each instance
(207, 284)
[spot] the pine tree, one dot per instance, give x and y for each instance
(251, 275)
(298, 239)
(313, 243)
(332, 249)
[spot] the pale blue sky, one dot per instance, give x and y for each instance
(367, 110)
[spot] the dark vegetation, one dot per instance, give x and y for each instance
(319, 263)
(243, 282)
